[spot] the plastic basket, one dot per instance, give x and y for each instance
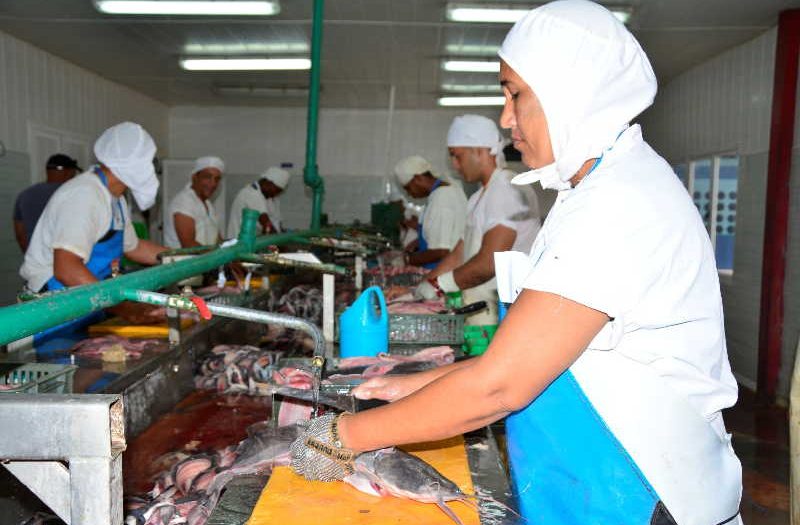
(37, 378)
(400, 279)
(428, 329)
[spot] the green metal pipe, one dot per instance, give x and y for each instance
(21, 320)
(311, 171)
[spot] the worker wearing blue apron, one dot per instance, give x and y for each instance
(610, 366)
(85, 230)
(107, 253)
(443, 221)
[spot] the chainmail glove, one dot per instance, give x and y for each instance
(318, 453)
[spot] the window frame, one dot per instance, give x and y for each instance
(716, 161)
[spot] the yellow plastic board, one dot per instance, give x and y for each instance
(117, 326)
(289, 498)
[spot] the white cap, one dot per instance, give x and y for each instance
(590, 75)
(278, 176)
(128, 151)
(475, 131)
(208, 162)
(410, 166)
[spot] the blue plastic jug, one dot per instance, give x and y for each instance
(364, 326)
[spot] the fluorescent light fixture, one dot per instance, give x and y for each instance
(245, 64)
(473, 66)
(508, 14)
(485, 13)
(472, 88)
(244, 48)
(472, 49)
(262, 91)
(471, 101)
(189, 7)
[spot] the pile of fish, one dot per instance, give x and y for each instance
(400, 306)
(187, 491)
(100, 347)
(235, 369)
(384, 363)
(303, 301)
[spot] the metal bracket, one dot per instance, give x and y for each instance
(68, 450)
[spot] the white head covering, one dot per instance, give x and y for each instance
(208, 162)
(410, 166)
(279, 177)
(128, 151)
(590, 75)
(476, 131)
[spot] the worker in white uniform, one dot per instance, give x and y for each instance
(86, 228)
(442, 224)
(611, 364)
(500, 217)
(191, 219)
(261, 196)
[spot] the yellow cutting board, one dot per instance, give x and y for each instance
(117, 326)
(289, 498)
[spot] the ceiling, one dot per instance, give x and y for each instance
(368, 45)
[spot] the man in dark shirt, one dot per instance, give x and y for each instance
(31, 202)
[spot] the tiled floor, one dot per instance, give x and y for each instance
(761, 440)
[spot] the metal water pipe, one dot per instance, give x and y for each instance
(29, 318)
(311, 171)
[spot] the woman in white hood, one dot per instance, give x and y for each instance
(611, 365)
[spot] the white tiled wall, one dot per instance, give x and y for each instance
(38, 87)
(352, 151)
(722, 106)
(46, 91)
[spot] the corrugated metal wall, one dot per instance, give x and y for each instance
(39, 89)
(724, 105)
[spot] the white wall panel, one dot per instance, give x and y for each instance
(41, 88)
(724, 105)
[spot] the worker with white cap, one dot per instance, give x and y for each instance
(85, 227)
(441, 226)
(611, 363)
(261, 196)
(191, 219)
(500, 217)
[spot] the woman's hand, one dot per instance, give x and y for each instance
(389, 388)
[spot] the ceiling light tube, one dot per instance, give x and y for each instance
(507, 14)
(244, 48)
(471, 101)
(472, 66)
(484, 13)
(245, 64)
(472, 88)
(189, 7)
(262, 91)
(472, 49)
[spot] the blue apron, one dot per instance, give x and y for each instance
(567, 468)
(423, 244)
(105, 254)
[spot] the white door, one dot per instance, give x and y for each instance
(44, 141)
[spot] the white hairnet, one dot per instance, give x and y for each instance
(279, 177)
(208, 162)
(410, 166)
(477, 131)
(128, 151)
(589, 74)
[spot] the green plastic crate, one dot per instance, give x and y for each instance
(37, 378)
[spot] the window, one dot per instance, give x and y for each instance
(713, 184)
